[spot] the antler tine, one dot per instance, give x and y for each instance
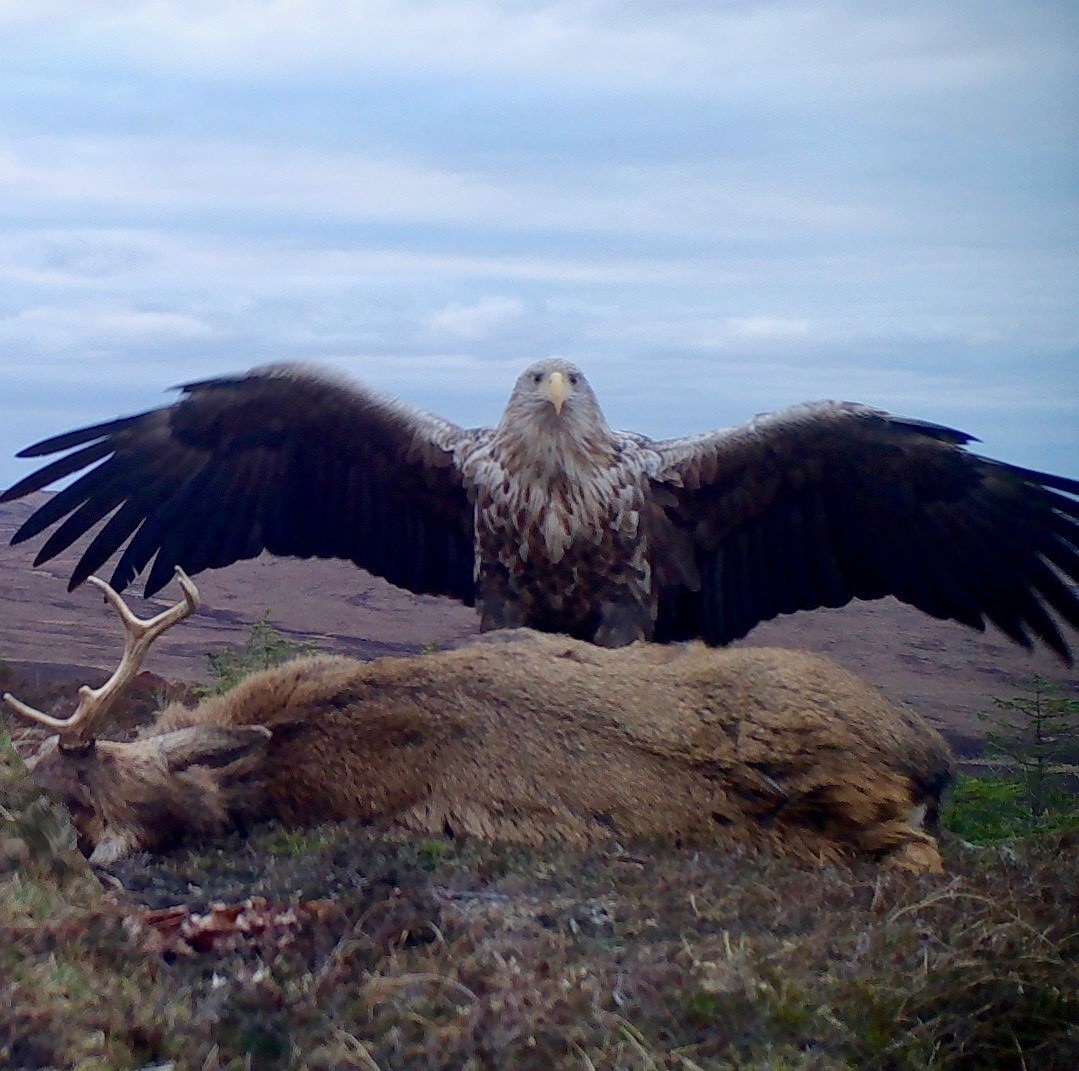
(76, 730)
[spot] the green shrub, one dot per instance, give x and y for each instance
(1036, 736)
(1034, 740)
(985, 810)
(264, 647)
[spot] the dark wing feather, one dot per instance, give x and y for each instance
(287, 459)
(824, 503)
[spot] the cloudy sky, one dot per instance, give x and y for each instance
(717, 208)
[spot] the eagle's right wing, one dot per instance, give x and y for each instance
(827, 502)
(295, 461)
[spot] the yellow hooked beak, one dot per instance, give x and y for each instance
(555, 389)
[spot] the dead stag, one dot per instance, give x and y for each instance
(523, 737)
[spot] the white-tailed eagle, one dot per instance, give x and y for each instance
(553, 520)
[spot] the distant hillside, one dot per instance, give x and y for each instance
(947, 672)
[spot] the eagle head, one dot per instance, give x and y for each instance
(553, 427)
(553, 394)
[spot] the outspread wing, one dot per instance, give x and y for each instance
(823, 503)
(292, 460)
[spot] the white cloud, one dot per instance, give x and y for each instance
(229, 180)
(768, 327)
(51, 327)
(479, 319)
(759, 49)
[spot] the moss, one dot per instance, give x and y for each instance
(985, 810)
(281, 840)
(431, 851)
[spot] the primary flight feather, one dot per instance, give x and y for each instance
(554, 520)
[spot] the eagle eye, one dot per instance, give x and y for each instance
(537, 377)
(573, 378)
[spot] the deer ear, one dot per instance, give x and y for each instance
(214, 746)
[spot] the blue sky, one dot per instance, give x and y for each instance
(716, 208)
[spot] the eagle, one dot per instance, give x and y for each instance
(553, 520)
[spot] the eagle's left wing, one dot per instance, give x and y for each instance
(291, 459)
(823, 503)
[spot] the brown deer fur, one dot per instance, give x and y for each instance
(531, 738)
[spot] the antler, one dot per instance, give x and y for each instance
(76, 730)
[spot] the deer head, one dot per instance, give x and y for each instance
(117, 791)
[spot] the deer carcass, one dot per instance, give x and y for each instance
(522, 737)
